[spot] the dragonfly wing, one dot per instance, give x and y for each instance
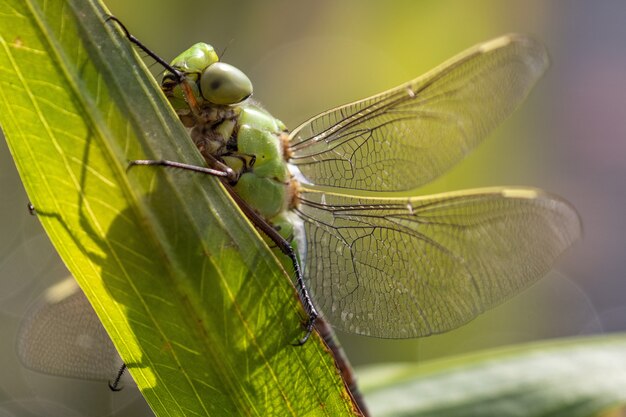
(407, 136)
(64, 337)
(410, 267)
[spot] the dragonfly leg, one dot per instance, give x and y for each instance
(178, 75)
(214, 162)
(304, 297)
(226, 173)
(286, 248)
(115, 385)
(262, 224)
(132, 39)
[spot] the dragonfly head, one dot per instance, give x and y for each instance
(210, 80)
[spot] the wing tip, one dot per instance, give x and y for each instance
(533, 50)
(568, 211)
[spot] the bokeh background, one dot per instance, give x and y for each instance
(303, 58)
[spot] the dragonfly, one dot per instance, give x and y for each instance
(339, 193)
(333, 190)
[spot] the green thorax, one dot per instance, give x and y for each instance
(228, 127)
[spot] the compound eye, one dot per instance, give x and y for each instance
(224, 84)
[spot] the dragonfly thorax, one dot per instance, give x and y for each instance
(213, 129)
(255, 151)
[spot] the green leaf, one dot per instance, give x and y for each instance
(197, 305)
(569, 378)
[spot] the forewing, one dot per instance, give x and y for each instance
(407, 136)
(410, 267)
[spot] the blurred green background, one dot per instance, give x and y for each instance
(303, 58)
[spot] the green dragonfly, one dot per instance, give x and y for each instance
(387, 266)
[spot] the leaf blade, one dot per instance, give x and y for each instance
(183, 285)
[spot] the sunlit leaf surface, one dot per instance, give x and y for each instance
(194, 301)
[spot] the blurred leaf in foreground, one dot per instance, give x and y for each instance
(571, 378)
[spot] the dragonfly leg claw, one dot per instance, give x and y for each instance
(115, 385)
(310, 325)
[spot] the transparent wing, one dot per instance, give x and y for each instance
(407, 136)
(64, 337)
(410, 267)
